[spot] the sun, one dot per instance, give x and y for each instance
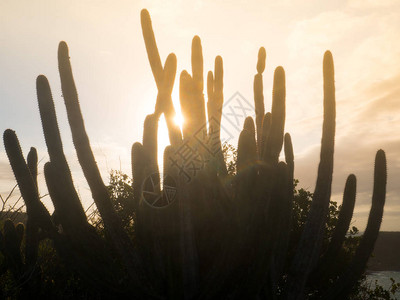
(179, 120)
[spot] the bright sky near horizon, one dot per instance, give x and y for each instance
(117, 89)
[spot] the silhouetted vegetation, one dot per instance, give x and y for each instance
(209, 229)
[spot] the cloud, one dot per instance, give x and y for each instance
(363, 37)
(371, 4)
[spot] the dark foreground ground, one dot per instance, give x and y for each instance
(386, 255)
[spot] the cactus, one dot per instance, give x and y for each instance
(346, 281)
(58, 176)
(259, 95)
(26, 184)
(247, 149)
(310, 243)
(119, 237)
(164, 78)
(219, 238)
(275, 136)
(214, 113)
(327, 260)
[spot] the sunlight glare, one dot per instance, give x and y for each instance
(179, 120)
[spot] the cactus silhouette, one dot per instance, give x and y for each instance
(214, 237)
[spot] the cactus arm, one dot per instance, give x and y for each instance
(65, 198)
(113, 225)
(210, 91)
(197, 64)
(79, 136)
(218, 98)
(32, 160)
(249, 125)
(211, 105)
(342, 226)
(151, 46)
(198, 112)
(169, 74)
(284, 212)
(275, 137)
(308, 250)
(138, 159)
(191, 94)
(164, 78)
(247, 149)
(164, 101)
(344, 285)
(71, 219)
(218, 82)
(174, 131)
(262, 55)
(81, 140)
(148, 226)
(25, 182)
(185, 98)
(215, 97)
(289, 156)
(32, 233)
(214, 108)
(259, 107)
(150, 130)
(266, 127)
(49, 121)
(259, 96)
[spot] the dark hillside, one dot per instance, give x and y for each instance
(386, 255)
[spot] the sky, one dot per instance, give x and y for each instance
(117, 90)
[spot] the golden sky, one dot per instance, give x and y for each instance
(117, 89)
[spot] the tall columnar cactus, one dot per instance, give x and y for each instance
(58, 176)
(214, 112)
(311, 240)
(113, 225)
(275, 137)
(259, 95)
(32, 225)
